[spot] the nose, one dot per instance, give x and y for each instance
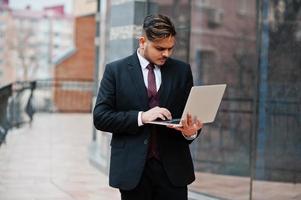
(166, 53)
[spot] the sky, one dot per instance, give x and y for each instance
(40, 4)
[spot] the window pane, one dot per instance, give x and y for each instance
(223, 50)
(179, 12)
(278, 164)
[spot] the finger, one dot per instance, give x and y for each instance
(161, 116)
(166, 113)
(190, 122)
(178, 128)
(155, 108)
(184, 123)
(170, 126)
(194, 120)
(189, 119)
(173, 126)
(195, 127)
(186, 119)
(194, 124)
(199, 124)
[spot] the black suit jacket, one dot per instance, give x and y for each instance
(122, 94)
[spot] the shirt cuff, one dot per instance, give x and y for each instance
(140, 123)
(192, 137)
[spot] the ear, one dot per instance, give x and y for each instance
(142, 41)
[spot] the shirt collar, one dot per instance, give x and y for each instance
(143, 62)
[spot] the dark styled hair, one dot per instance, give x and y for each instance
(158, 27)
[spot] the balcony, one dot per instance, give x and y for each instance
(50, 154)
(49, 160)
(44, 153)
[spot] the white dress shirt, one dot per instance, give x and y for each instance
(143, 63)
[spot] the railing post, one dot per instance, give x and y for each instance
(5, 94)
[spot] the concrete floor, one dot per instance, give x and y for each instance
(49, 160)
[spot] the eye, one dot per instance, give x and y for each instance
(160, 48)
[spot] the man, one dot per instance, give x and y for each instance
(148, 162)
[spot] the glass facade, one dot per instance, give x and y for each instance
(253, 149)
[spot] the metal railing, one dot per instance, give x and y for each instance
(19, 101)
(5, 93)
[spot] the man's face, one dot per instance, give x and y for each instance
(156, 51)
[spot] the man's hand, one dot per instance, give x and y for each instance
(155, 113)
(189, 126)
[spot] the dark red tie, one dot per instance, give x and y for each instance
(153, 100)
(151, 89)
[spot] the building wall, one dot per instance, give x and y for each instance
(31, 41)
(80, 65)
(77, 67)
(7, 69)
(84, 7)
(224, 51)
(217, 42)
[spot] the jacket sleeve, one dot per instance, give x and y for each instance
(105, 115)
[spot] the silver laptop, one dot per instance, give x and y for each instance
(203, 102)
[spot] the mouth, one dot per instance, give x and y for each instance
(163, 60)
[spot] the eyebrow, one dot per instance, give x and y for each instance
(160, 47)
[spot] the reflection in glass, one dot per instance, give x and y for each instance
(223, 50)
(278, 164)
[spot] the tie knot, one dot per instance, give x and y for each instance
(150, 66)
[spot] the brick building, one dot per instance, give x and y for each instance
(31, 40)
(74, 71)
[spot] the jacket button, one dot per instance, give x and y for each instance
(145, 141)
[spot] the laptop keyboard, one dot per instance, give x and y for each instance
(173, 121)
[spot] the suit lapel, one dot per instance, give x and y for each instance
(136, 75)
(166, 84)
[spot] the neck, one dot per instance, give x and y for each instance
(140, 52)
